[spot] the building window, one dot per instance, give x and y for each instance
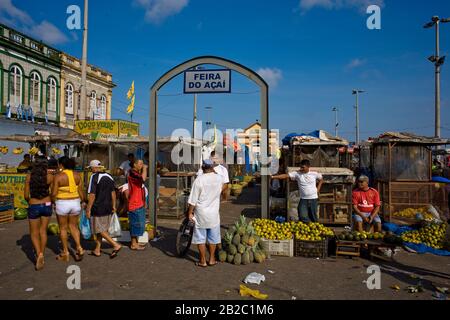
(51, 95)
(17, 38)
(15, 85)
(69, 99)
(103, 108)
(35, 90)
(93, 105)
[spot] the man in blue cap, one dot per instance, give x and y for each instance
(204, 206)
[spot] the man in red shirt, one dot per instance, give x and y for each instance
(366, 205)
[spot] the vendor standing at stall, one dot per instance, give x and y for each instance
(309, 185)
(366, 205)
(25, 165)
(204, 206)
(127, 165)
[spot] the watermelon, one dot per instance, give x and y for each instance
(53, 229)
(20, 214)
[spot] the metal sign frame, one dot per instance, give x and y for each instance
(153, 130)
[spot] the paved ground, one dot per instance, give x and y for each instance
(157, 274)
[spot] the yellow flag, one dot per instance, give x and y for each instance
(130, 108)
(130, 93)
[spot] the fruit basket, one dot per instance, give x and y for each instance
(311, 249)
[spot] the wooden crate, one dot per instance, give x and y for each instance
(348, 248)
(7, 216)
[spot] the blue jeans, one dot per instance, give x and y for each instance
(137, 222)
(307, 210)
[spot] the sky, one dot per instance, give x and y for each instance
(311, 52)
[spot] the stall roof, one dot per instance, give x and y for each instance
(327, 171)
(410, 138)
(315, 138)
(46, 138)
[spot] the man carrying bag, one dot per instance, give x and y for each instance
(101, 208)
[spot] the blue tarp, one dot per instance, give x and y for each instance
(288, 138)
(440, 180)
(419, 248)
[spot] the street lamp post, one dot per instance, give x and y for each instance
(438, 62)
(336, 123)
(356, 93)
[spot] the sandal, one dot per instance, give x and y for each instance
(95, 255)
(213, 264)
(115, 253)
(64, 257)
(139, 248)
(79, 255)
(40, 263)
(201, 265)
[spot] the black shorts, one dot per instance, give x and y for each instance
(36, 211)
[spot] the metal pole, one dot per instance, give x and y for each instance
(438, 87)
(194, 127)
(357, 117)
(84, 62)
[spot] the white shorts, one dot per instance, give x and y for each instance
(68, 207)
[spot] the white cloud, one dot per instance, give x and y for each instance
(22, 21)
(361, 5)
(13, 13)
(355, 63)
(47, 32)
(156, 11)
(271, 75)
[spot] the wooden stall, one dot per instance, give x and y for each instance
(402, 169)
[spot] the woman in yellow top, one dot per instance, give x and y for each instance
(68, 196)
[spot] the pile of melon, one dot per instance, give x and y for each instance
(241, 245)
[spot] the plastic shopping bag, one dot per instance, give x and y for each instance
(85, 226)
(114, 228)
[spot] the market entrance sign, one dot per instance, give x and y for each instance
(207, 81)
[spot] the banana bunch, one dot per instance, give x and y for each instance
(4, 150)
(33, 151)
(18, 151)
(56, 151)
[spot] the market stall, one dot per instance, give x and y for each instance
(323, 151)
(12, 181)
(402, 169)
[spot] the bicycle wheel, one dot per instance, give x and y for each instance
(184, 237)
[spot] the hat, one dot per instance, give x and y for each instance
(95, 164)
(207, 164)
(363, 178)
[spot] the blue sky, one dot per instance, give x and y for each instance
(312, 52)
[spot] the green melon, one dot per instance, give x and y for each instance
(230, 258)
(53, 229)
(20, 214)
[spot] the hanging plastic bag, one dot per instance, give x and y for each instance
(85, 226)
(115, 231)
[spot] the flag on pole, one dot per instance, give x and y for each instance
(130, 108)
(130, 93)
(131, 96)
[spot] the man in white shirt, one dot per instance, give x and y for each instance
(220, 170)
(204, 206)
(309, 185)
(127, 165)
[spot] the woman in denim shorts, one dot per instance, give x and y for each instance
(37, 193)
